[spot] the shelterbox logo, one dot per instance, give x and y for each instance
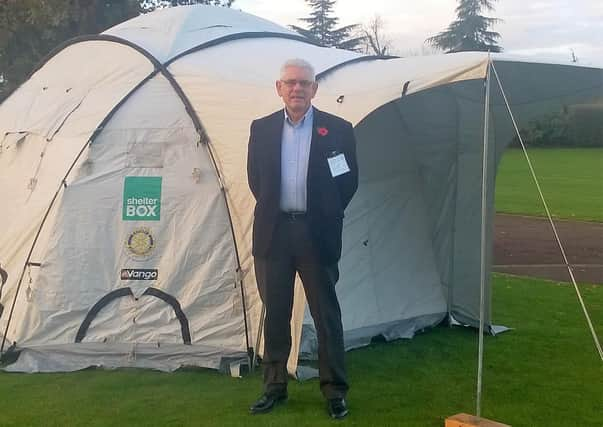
(142, 198)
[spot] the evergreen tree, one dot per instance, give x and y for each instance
(322, 27)
(469, 32)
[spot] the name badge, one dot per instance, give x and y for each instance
(338, 165)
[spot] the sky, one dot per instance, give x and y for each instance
(549, 29)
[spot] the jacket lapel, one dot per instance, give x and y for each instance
(274, 138)
(316, 156)
(315, 144)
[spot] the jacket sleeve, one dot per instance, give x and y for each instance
(349, 181)
(252, 167)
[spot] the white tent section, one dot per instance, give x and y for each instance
(126, 215)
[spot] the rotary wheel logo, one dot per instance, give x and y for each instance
(141, 243)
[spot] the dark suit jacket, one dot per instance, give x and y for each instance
(327, 197)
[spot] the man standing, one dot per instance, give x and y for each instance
(302, 172)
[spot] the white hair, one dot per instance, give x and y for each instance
(299, 63)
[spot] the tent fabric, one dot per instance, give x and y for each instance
(127, 216)
(167, 34)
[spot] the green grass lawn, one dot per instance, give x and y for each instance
(571, 181)
(546, 373)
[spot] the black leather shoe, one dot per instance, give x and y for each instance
(337, 408)
(266, 403)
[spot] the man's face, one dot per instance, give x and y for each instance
(297, 89)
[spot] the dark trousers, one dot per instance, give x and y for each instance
(292, 250)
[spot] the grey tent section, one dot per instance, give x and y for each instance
(421, 156)
(127, 232)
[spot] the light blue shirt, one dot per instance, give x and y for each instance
(295, 155)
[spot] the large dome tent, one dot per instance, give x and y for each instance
(127, 217)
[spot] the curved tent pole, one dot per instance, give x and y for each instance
(159, 67)
(239, 271)
(93, 37)
(62, 185)
(206, 141)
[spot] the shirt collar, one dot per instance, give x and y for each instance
(308, 116)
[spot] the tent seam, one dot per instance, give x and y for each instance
(239, 36)
(323, 74)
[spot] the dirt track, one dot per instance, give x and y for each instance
(526, 246)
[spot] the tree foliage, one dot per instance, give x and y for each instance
(470, 31)
(574, 126)
(32, 28)
(322, 27)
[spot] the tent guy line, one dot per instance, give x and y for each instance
(551, 222)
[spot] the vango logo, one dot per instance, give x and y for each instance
(139, 274)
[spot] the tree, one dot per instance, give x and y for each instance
(150, 5)
(573, 126)
(374, 40)
(31, 29)
(470, 30)
(322, 27)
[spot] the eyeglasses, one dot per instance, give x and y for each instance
(292, 83)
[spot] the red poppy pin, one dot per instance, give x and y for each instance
(322, 131)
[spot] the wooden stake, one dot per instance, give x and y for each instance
(466, 420)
